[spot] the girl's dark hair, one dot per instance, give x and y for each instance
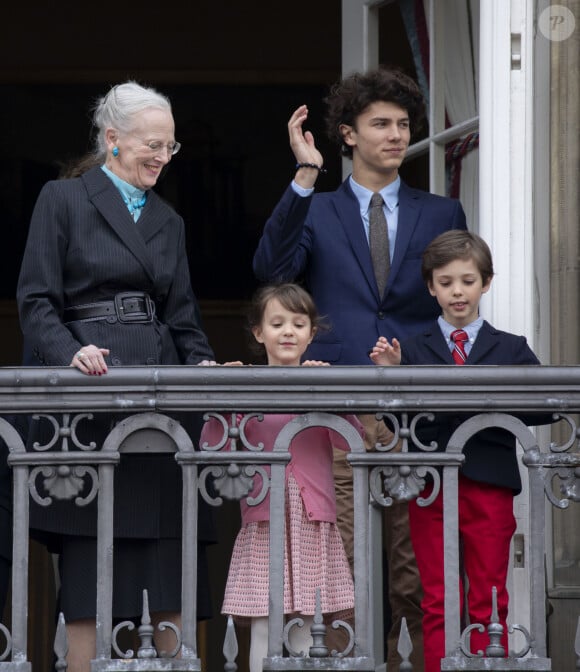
(290, 295)
(457, 244)
(351, 96)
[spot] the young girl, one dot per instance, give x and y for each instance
(283, 318)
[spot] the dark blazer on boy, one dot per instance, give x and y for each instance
(490, 456)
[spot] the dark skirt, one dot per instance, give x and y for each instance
(154, 564)
(147, 535)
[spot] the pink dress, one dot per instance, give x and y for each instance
(314, 555)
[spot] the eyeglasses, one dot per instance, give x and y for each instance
(156, 146)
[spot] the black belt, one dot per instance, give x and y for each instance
(125, 307)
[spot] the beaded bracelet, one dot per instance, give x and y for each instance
(320, 169)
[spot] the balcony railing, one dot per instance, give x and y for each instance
(145, 399)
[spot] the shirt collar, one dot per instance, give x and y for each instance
(472, 329)
(128, 191)
(390, 194)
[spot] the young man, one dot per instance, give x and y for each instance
(324, 238)
(458, 269)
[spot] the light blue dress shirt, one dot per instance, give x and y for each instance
(390, 195)
(134, 198)
(472, 329)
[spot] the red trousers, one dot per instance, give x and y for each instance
(486, 526)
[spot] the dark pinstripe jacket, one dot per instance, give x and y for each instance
(84, 246)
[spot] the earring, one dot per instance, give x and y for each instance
(115, 151)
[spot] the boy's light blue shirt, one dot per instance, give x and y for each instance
(472, 329)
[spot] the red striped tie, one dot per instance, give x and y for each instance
(459, 337)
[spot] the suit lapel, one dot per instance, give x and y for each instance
(153, 216)
(410, 204)
(107, 200)
(487, 339)
(347, 210)
(435, 342)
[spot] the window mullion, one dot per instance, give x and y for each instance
(436, 97)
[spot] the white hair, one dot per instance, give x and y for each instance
(117, 108)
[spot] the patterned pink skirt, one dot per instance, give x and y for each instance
(314, 557)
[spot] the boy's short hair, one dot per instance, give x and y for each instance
(457, 244)
(350, 97)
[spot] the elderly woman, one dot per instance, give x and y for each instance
(105, 282)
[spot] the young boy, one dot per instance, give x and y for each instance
(457, 268)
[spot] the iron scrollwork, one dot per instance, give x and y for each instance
(62, 481)
(403, 482)
(233, 481)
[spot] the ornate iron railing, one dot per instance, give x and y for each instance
(145, 398)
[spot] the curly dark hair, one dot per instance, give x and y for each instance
(351, 96)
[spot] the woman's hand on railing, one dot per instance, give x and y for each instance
(90, 360)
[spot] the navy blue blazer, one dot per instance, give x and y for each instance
(490, 456)
(321, 240)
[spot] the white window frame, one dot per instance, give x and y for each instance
(360, 51)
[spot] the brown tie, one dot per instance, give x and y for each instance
(379, 242)
(459, 337)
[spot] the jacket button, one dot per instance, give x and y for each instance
(381, 315)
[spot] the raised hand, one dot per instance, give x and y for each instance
(386, 354)
(302, 144)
